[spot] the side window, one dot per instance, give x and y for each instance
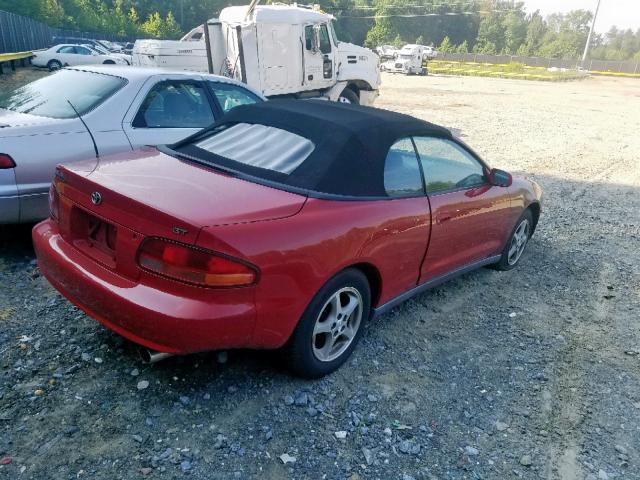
(447, 166)
(401, 170)
(325, 42)
(175, 104)
(66, 49)
(83, 51)
(230, 96)
(308, 37)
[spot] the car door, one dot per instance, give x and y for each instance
(318, 56)
(408, 231)
(168, 110)
(82, 56)
(65, 55)
(467, 213)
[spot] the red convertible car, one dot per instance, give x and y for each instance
(288, 224)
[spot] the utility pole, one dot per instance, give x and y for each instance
(588, 44)
(182, 13)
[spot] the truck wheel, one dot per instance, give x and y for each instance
(349, 96)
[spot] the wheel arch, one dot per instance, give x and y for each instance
(374, 278)
(534, 208)
(358, 85)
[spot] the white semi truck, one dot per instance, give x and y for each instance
(409, 61)
(280, 50)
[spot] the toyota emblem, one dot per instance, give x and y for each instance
(96, 198)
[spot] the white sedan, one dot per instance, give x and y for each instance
(104, 51)
(66, 55)
(123, 107)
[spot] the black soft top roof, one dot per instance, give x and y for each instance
(351, 143)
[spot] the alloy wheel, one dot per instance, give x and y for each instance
(337, 324)
(518, 242)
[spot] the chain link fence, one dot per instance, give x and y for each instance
(22, 34)
(590, 65)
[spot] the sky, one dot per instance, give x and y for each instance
(621, 13)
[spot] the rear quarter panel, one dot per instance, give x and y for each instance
(297, 255)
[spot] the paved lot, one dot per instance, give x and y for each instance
(533, 373)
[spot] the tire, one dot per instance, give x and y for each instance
(522, 230)
(319, 344)
(54, 65)
(349, 96)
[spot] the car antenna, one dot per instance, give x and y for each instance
(95, 147)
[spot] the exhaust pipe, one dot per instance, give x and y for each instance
(151, 356)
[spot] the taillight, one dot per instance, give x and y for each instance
(6, 161)
(54, 202)
(194, 265)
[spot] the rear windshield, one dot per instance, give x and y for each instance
(48, 96)
(259, 146)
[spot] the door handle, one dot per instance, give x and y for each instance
(445, 217)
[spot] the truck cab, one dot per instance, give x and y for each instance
(409, 61)
(291, 51)
(279, 50)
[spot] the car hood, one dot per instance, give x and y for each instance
(149, 182)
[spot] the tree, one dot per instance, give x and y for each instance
(153, 26)
(170, 28)
(463, 48)
(515, 31)
(446, 46)
(133, 22)
(490, 37)
(536, 30)
(381, 33)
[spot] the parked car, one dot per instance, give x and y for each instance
(387, 52)
(103, 51)
(123, 107)
(65, 55)
(287, 224)
(73, 41)
(429, 53)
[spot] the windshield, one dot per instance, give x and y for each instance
(98, 48)
(333, 33)
(48, 96)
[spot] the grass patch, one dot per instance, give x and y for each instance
(617, 74)
(506, 70)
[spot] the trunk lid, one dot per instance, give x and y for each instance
(9, 118)
(155, 194)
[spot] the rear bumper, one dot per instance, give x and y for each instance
(184, 320)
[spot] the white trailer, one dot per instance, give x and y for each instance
(409, 61)
(279, 50)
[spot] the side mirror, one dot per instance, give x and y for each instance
(500, 178)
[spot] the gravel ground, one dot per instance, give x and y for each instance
(533, 373)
